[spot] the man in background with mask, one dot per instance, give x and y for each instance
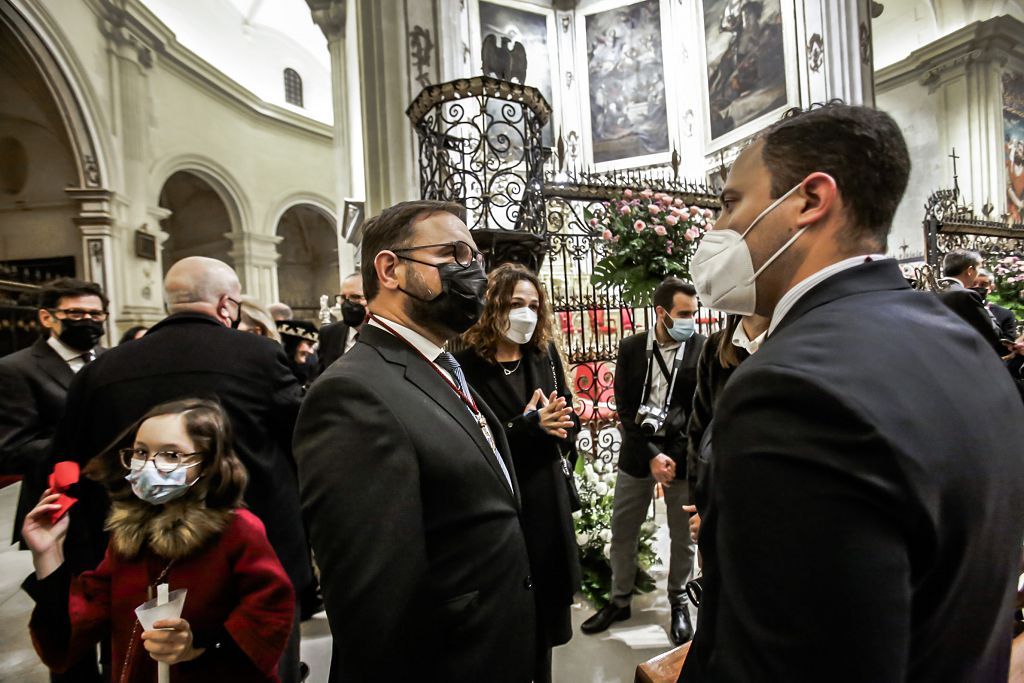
(194, 352)
(33, 388)
(864, 521)
(407, 486)
(338, 338)
(655, 379)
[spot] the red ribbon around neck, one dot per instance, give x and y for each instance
(63, 476)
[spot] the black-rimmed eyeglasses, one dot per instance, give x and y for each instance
(462, 252)
(79, 313)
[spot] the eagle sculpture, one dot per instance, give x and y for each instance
(502, 62)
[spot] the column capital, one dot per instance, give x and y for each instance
(329, 15)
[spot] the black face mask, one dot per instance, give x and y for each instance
(983, 291)
(352, 314)
(81, 335)
(461, 301)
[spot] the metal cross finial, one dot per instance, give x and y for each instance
(956, 182)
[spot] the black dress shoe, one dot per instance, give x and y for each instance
(605, 617)
(682, 629)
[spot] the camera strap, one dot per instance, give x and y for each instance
(654, 355)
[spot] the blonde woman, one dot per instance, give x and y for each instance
(257, 320)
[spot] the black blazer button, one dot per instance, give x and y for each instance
(528, 583)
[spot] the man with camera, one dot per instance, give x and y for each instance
(655, 379)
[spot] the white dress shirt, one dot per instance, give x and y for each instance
(73, 357)
(350, 339)
(801, 288)
(741, 340)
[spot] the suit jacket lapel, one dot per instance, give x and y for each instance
(420, 373)
(52, 364)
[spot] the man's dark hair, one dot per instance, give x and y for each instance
(393, 229)
(666, 292)
(957, 261)
(55, 290)
(861, 148)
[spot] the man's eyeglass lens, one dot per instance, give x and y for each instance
(165, 461)
(79, 314)
(463, 254)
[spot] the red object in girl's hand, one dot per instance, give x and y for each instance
(64, 475)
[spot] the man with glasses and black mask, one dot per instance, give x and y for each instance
(194, 352)
(864, 521)
(33, 388)
(338, 338)
(407, 485)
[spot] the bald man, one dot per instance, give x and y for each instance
(194, 352)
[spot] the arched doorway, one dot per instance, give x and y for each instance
(308, 258)
(37, 164)
(199, 222)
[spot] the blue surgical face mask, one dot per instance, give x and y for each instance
(156, 487)
(682, 328)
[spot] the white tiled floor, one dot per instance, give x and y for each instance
(610, 657)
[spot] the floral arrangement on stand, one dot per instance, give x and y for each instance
(651, 236)
(1009, 273)
(596, 482)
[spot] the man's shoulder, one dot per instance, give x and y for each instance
(19, 360)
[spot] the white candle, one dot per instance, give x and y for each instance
(163, 669)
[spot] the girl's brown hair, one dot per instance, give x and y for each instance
(223, 479)
(726, 351)
(501, 284)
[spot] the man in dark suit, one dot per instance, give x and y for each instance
(195, 352)
(407, 486)
(1006, 321)
(861, 512)
(338, 338)
(33, 387)
(959, 270)
(650, 366)
(35, 383)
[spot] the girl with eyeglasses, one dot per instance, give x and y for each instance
(176, 517)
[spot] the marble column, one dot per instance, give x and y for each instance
(834, 55)
(331, 16)
(255, 258)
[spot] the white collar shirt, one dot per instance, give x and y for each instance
(429, 349)
(801, 289)
(73, 357)
(350, 340)
(742, 341)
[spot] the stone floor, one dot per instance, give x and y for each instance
(610, 657)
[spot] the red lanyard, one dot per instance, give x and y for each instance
(468, 400)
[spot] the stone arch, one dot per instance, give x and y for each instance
(199, 220)
(213, 174)
(307, 265)
(43, 42)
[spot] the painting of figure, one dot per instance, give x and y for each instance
(628, 116)
(530, 29)
(745, 59)
(1013, 133)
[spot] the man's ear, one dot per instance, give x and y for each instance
(386, 264)
(821, 195)
(46, 319)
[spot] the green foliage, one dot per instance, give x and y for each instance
(596, 483)
(650, 237)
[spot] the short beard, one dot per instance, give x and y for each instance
(422, 312)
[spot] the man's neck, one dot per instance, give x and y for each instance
(963, 281)
(753, 327)
(394, 313)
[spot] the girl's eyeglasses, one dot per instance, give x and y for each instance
(165, 461)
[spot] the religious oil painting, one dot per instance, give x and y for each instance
(1013, 134)
(746, 62)
(625, 66)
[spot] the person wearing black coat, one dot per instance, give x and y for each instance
(408, 489)
(194, 353)
(514, 367)
(644, 372)
(338, 337)
(861, 512)
(960, 270)
(33, 389)
(722, 354)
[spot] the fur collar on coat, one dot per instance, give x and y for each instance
(173, 531)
